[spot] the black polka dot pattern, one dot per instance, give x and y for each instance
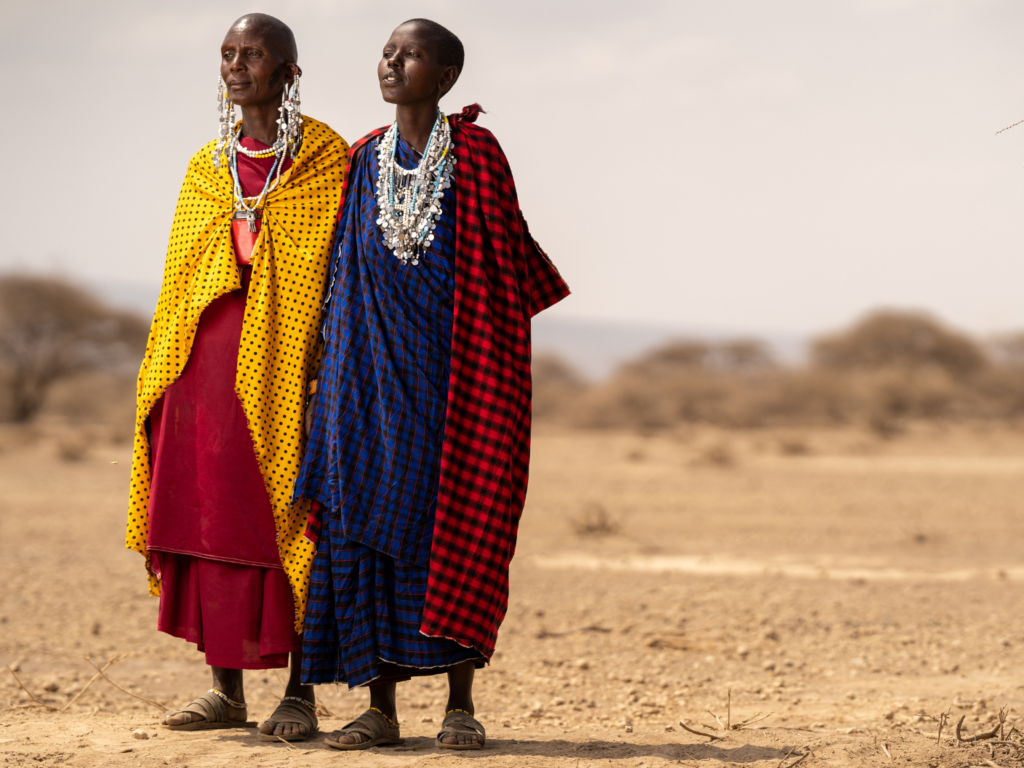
(280, 343)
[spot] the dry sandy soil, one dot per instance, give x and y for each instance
(845, 586)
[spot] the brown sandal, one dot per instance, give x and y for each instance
(373, 724)
(450, 726)
(214, 710)
(292, 709)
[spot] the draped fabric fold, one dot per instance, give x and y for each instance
(280, 344)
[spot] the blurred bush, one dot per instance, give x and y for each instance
(886, 370)
(67, 355)
(51, 331)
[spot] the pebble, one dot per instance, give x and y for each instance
(138, 733)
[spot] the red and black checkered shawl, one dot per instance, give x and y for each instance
(502, 279)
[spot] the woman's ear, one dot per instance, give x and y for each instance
(448, 78)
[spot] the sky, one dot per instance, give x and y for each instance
(759, 165)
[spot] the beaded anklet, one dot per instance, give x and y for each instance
(392, 722)
(301, 700)
(229, 702)
(456, 710)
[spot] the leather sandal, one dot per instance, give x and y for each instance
(372, 724)
(214, 709)
(292, 709)
(458, 723)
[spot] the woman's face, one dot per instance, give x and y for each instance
(254, 71)
(408, 71)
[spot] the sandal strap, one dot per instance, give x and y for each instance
(372, 723)
(209, 706)
(289, 712)
(461, 717)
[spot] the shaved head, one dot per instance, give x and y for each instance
(275, 32)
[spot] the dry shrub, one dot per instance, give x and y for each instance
(51, 329)
(74, 445)
(594, 520)
(794, 446)
(900, 340)
(103, 400)
(716, 455)
(887, 370)
(555, 386)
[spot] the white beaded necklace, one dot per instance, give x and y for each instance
(409, 200)
(243, 209)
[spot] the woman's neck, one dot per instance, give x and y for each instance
(259, 122)
(415, 122)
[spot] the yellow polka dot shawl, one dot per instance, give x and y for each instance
(280, 342)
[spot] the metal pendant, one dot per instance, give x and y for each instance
(250, 217)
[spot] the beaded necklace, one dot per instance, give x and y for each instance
(242, 207)
(409, 200)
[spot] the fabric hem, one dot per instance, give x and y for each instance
(484, 656)
(201, 556)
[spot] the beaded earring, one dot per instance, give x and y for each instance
(226, 108)
(289, 123)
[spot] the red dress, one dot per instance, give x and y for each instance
(212, 531)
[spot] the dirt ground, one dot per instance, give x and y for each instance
(850, 588)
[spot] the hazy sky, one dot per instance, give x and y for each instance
(757, 164)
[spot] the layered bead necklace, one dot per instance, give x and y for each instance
(250, 207)
(409, 200)
(287, 142)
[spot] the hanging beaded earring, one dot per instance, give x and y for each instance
(226, 108)
(289, 123)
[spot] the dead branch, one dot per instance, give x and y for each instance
(943, 718)
(751, 720)
(36, 699)
(103, 674)
(322, 710)
(728, 724)
(711, 736)
(1009, 127)
(717, 720)
(791, 751)
(285, 742)
(110, 662)
(799, 760)
(991, 734)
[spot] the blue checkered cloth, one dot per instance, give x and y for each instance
(373, 456)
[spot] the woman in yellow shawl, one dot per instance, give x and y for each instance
(232, 349)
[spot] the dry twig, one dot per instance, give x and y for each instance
(110, 662)
(285, 742)
(943, 720)
(728, 724)
(103, 674)
(36, 699)
(711, 736)
(885, 748)
(1009, 127)
(789, 754)
(990, 734)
